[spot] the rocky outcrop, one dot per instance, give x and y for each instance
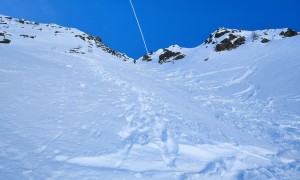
(289, 33)
(265, 40)
(97, 41)
(146, 57)
(57, 30)
(27, 36)
(227, 44)
(168, 56)
(5, 41)
(220, 33)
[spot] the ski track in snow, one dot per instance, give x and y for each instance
(144, 124)
(147, 131)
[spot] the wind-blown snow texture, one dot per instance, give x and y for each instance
(70, 110)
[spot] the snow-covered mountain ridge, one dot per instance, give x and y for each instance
(223, 39)
(70, 109)
(14, 30)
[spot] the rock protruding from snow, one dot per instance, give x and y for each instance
(5, 41)
(86, 43)
(171, 54)
(168, 56)
(289, 33)
(3, 37)
(230, 43)
(224, 39)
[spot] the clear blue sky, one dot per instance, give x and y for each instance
(165, 22)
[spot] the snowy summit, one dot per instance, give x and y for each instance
(73, 108)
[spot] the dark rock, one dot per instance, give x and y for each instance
(27, 36)
(282, 33)
(239, 41)
(232, 36)
(180, 56)
(219, 34)
(5, 41)
(75, 50)
(90, 37)
(226, 44)
(109, 50)
(146, 58)
(209, 40)
(98, 39)
(167, 55)
(220, 47)
(289, 33)
(81, 37)
(21, 21)
(265, 40)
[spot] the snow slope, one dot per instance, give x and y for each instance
(88, 114)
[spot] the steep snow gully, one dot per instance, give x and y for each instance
(72, 108)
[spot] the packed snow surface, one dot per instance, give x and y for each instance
(91, 115)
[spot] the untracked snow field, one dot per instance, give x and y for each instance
(94, 116)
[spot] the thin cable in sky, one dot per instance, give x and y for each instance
(137, 20)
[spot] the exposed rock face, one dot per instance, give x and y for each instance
(233, 40)
(208, 41)
(232, 36)
(289, 33)
(265, 40)
(5, 41)
(227, 39)
(89, 39)
(226, 44)
(239, 41)
(219, 34)
(168, 56)
(146, 57)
